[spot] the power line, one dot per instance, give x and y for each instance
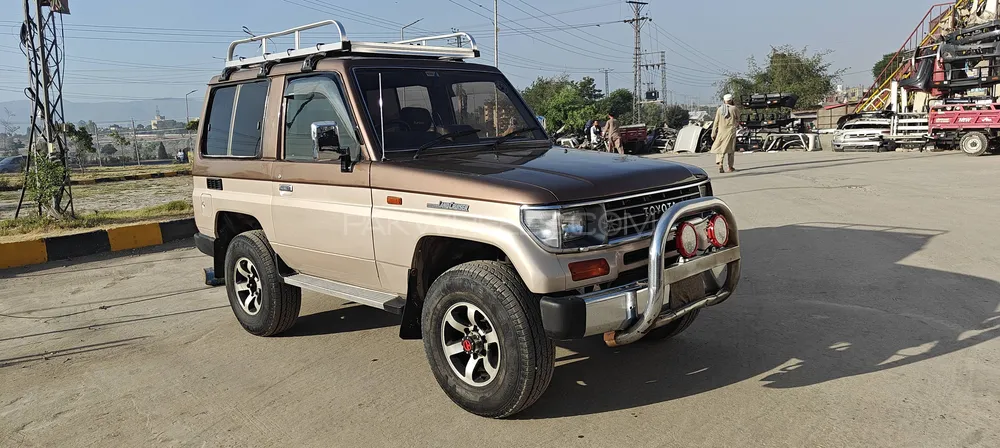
(557, 13)
(721, 65)
(584, 37)
(564, 46)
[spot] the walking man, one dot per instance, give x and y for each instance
(595, 134)
(612, 136)
(724, 133)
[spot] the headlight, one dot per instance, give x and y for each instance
(570, 228)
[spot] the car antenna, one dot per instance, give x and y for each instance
(381, 115)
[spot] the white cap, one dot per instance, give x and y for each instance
(727, 97)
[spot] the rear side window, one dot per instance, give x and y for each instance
(248, 120)
(219, 122)
(235, 120)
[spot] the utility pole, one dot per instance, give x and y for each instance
(39, 41)
(663, 78)
(663, 74)
(637, 22)
(606, 83)
(135, 143)
(458, 39)
(187, 111)
(407, 26)
(496, 33)
(97, 143)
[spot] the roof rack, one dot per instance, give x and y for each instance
(409, 47)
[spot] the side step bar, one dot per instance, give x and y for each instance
(376, 299)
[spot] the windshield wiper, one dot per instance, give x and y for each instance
(449, 136)
(506, 138)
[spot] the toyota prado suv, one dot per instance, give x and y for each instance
(397, 176)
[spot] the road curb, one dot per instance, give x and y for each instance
(115, 179)
(25, 253)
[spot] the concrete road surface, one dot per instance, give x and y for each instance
(867, 316)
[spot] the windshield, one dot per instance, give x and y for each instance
(420, 106)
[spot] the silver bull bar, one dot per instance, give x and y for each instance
(615, 312)
(661, 278)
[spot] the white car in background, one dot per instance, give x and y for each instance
(863, 134)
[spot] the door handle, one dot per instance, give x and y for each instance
(285, 188)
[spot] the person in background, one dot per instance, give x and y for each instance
(724, 133)
(612, 135)
(595, 134)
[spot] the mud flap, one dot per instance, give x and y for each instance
(409, 326)
(211, 279)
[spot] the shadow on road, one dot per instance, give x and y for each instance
(827, 163)
(816, 303)
(342, 320)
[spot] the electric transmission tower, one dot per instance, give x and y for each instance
(40, 34)
(607, 84)
(637, 21)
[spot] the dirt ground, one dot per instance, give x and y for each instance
(126, 195)
(867, 316)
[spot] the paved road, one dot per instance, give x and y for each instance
(867, 316)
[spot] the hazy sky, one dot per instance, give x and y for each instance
(120, 50)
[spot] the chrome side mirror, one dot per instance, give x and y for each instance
(325, 137)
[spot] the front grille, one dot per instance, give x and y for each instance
(638, 215)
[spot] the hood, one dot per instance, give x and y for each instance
(532, 176)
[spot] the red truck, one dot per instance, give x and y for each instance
(634, 138)
(973, 125)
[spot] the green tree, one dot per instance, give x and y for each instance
(538, 94)
(676, 117)
(563, 101)
(161, 151)
(786, 70)
(881, 65)
(80, 138)
(617, 103)
(121, 143)
(7, 131)
(588, 89)
(192, 125)
(44, 182)
(108, 149)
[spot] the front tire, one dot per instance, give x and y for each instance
(484, 340)
(974, 144)
(262, 303)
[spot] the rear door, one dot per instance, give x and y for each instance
(321, 215)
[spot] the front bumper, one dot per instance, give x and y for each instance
(626, 313)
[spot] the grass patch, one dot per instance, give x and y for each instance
(14, 180)
(95, 220)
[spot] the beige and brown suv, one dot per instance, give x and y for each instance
(397, 176)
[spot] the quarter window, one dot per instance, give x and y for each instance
(219, 120)
(236, 131)
(248, 120)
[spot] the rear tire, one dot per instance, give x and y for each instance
(262, 303)
(672, 329)
(511, 358)
(974, 144)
